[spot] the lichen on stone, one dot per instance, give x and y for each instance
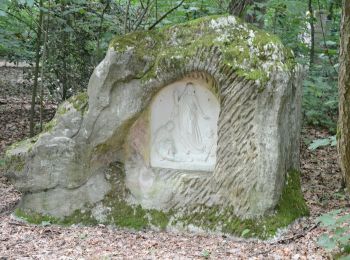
(80, 101)
(14, 162)
(27, 142)
(50, 125)
(15, 155)
(249, 51)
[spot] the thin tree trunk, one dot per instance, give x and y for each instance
(312, 32)
(344, 95)
(331, 12)
(239, 7)
(166, 14)
(323, 31)
(126, 18)
(64, 79)
(97, 56)
(156, 10)
(36, 71)
(66, 44)
(274, 20)
(42, 71)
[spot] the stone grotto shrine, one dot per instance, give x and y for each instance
(190, 127)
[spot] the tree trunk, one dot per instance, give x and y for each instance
(65, 63)
(97, 55)
(238, 8)
(36, 71)
(42, 69)
(312, 32)
(344, 95)
(126, 18)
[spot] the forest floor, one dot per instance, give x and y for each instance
(321, 185)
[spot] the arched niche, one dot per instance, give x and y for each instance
(174, 142)
(183, 126)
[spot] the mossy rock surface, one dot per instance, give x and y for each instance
(250, 52)
(291, 206)
(91, 165)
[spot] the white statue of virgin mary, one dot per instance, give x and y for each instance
(187, 114)
(184, 126)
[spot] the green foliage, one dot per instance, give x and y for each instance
(337, 222)
(16, 31)
(190, 10)
(245, 232)
(78, 33)
(290, 20)
(320, 97)
(206, 254)
(323, 142)
(287, 19)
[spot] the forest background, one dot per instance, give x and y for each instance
(64, 40)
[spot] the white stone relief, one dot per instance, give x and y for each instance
(184, 119)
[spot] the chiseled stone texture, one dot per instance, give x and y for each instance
(256, 82)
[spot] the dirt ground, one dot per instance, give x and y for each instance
(321, 184)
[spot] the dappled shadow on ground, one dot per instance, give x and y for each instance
(321, 184)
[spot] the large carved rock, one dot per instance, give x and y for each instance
(198, 116)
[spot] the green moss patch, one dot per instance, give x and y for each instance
(121, 214)
(80, 101)
(16, 161)
(27, 142)
(61, 110)
(135, 217)
(83, 217)
(35, 218)
(50, 125)
(131, 216)
(243, 48)
(290, 207)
